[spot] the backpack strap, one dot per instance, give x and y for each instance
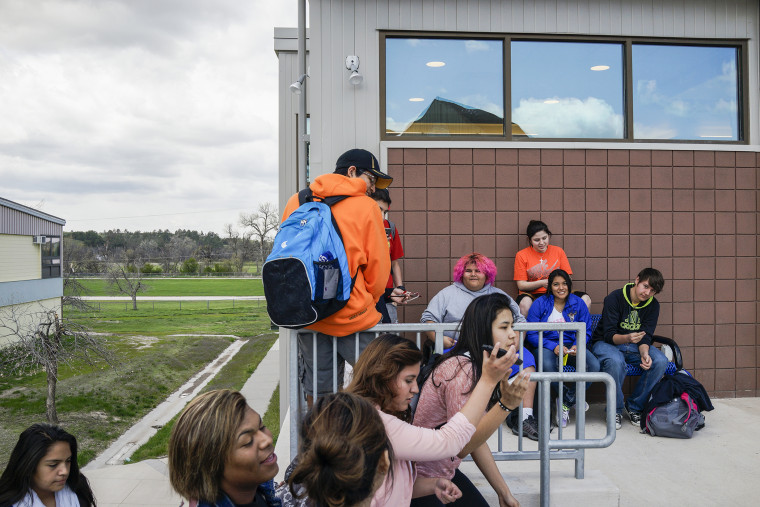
(392, 228)
(306, 195)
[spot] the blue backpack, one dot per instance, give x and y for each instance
(306, 277)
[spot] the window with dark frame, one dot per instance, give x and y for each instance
(560, 88)
(51, 257)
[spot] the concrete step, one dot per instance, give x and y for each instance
(595, 490)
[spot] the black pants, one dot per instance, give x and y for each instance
(471, 497)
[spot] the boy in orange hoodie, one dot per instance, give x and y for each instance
(357, 174)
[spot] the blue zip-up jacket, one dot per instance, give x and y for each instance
(542, 308)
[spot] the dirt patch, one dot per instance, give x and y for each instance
(143, 342)
(14, 392)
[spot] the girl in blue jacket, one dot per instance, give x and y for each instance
(559, 304)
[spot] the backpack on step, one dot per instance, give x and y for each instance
(306, 277)
(678, 418)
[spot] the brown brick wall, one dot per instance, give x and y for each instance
(694, 215)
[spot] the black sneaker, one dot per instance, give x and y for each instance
(618, 421)
(530, 428)
(635, 417)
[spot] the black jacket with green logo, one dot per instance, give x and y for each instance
(619, 316)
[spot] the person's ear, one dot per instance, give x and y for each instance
(384, 464)
(351, 173)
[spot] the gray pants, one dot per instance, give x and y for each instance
(392, 312)
(346, 351)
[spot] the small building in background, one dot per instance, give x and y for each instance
(30, 267)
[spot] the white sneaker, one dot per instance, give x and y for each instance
(618, 421)
(563, 413)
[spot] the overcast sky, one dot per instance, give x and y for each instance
(140, 114)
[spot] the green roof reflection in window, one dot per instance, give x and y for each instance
(444, 87)
(568, 89)
(685, 92)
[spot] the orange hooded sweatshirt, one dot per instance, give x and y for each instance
(361, 225)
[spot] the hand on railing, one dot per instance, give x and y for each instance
(512, 393)
(494, 367)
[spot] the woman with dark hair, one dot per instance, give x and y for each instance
(43, 471)
(534, 263)
(559, 304)
(386, 374)
(221, 454)
(344, 454)
(487, 320)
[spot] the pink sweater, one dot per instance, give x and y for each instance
(411, 443)
(441, 398)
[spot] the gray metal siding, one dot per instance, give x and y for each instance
(13, 221)
(344, 116)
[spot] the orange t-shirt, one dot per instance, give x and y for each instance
(531, 266)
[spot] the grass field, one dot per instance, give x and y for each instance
(183, 287)
(99, 404)
(232, 376)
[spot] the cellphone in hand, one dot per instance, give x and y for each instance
(489, 349)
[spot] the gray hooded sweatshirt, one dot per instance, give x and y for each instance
(450, 303)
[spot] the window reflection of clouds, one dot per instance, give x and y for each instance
(472, 76)
(556, 94)
(685, 92)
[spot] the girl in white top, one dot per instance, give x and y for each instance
(43, 471)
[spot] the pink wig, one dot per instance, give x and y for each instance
(483, 263)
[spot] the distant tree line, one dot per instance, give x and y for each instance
(181, 251)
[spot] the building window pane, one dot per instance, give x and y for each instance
(567, 90)
(51, 257)
(685, 92)
(447, 87)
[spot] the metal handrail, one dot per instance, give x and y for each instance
(548, 449)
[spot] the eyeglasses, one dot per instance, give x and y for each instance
(372, 177)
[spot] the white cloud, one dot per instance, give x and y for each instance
(569, 117)
(476, 45)
(136, 107)
(654, 131)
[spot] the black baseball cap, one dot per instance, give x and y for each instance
(365, 161)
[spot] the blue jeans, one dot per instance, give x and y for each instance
(613, 359)
(551, 363)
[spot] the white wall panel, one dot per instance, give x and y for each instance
(344, 116)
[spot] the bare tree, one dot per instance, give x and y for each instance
(72, 294)
(262, 222)
(42, 339)
(121, 281)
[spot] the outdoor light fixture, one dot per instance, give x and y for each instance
(352, 64)
(597, 68)
(297, 86)
(435, 64)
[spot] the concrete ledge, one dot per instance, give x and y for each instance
(595, 490)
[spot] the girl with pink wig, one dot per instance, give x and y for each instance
(474, 275)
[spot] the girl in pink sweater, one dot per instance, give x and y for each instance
(386, 374)
(487, 320)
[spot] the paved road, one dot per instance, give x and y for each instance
(174, 298)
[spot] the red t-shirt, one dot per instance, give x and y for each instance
(531, 266)
(394, 245)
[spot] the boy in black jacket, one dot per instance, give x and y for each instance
(624, 336)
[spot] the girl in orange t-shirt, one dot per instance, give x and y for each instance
(534, 263)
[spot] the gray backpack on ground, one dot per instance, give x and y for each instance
(678, 418)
